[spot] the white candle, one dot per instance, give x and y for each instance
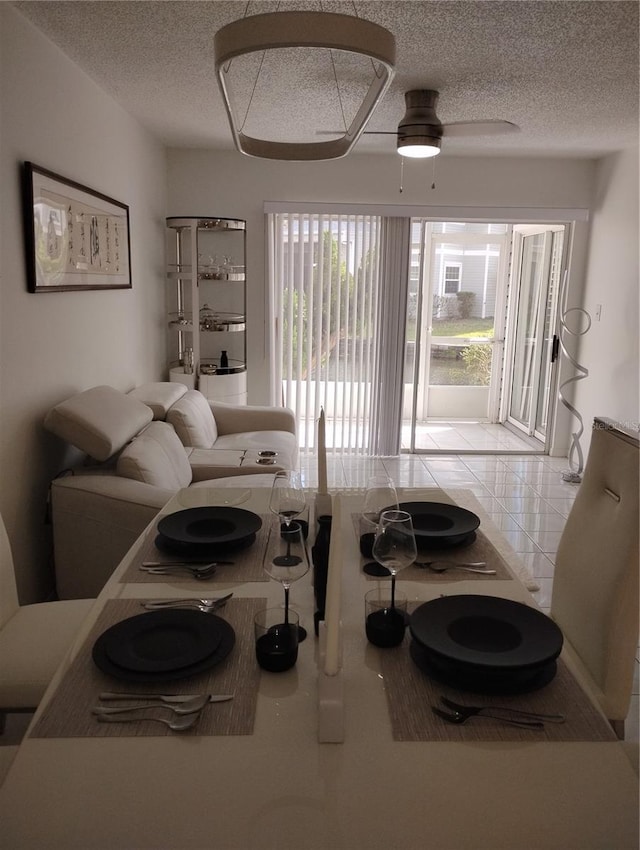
(322, 454)
(332, 604)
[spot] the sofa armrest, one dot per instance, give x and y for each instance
(96, 520)
(235, 418)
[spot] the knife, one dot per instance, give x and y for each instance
(194, 564)
(168, 698)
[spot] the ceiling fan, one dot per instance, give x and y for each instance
(420, 131)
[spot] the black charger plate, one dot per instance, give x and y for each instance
(186, 643)
(486, 642)
(207, 531)
(438, 524)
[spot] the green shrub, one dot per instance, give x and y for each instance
(465, 303)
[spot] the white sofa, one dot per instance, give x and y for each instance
(136, 462)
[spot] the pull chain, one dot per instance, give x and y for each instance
(401, 174)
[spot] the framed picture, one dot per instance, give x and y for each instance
(75, 238)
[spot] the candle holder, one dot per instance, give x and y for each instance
(330, 697)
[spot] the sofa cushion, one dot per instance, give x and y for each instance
(156, 456)
(193, 421)
(99, 421)
(159, 396)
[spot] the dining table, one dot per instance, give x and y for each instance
(259, 772)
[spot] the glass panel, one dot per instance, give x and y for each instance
(453, 364)
(527, 319)
(544, 387)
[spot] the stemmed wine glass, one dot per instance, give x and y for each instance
(379, 496)
(394, 546)
(287, 496)
(286, 560)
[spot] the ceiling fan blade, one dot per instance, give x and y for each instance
(365, 132)
(488, 127)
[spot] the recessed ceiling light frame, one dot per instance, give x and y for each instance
(319, 30)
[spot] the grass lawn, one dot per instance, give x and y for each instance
(455, 327)
(462, 327)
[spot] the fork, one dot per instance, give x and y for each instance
(471, 567)
(208, 605)
(461, 717)
(476, 709)
(202, 574)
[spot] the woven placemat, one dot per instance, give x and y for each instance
(68, 715)
(411, 693)
(247, 563)
(480, 550)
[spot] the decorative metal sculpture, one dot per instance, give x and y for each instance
(574, 473)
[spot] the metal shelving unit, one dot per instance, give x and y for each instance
(207, 305)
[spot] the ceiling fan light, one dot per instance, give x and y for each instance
(419, 151)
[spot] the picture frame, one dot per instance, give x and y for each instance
(75, 238)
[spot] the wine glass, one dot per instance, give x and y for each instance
(394, 546)
(379, 496)
(287, 496)
(286, 560)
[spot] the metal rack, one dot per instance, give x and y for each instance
(207, 305)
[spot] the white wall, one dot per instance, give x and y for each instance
(610, 348)
(55, 344)
(230, 184)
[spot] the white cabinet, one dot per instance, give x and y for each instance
(207, 305)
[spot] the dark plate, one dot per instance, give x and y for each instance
(485, 633)
(212, 525)
(481, 680)
(202, 550)
(437, 523)
(225, 644)
(162, 641)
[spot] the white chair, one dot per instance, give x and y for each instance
(33, 639)
(595, 585)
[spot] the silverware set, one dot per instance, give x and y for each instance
(208, 606)
(442, 566)
(185, 709)
(197, 569)
(459, 714)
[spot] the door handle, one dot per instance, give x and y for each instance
(555, 347)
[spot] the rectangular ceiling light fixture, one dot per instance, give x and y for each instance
(312, 31)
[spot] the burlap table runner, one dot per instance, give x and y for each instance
(411, 693)
(480, 550)
(247, 563)
(68, 715)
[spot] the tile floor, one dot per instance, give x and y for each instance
(462, 436)
(524, 495)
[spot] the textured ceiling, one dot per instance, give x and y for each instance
(566, 72)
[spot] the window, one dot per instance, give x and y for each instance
(452, 277)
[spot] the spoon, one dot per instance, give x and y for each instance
(443, 566)
(188, 707)
(178, 724)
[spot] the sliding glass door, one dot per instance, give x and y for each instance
(455, 326)
(535, 286)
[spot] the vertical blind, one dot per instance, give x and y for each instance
(324, 286)
(338, 289)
